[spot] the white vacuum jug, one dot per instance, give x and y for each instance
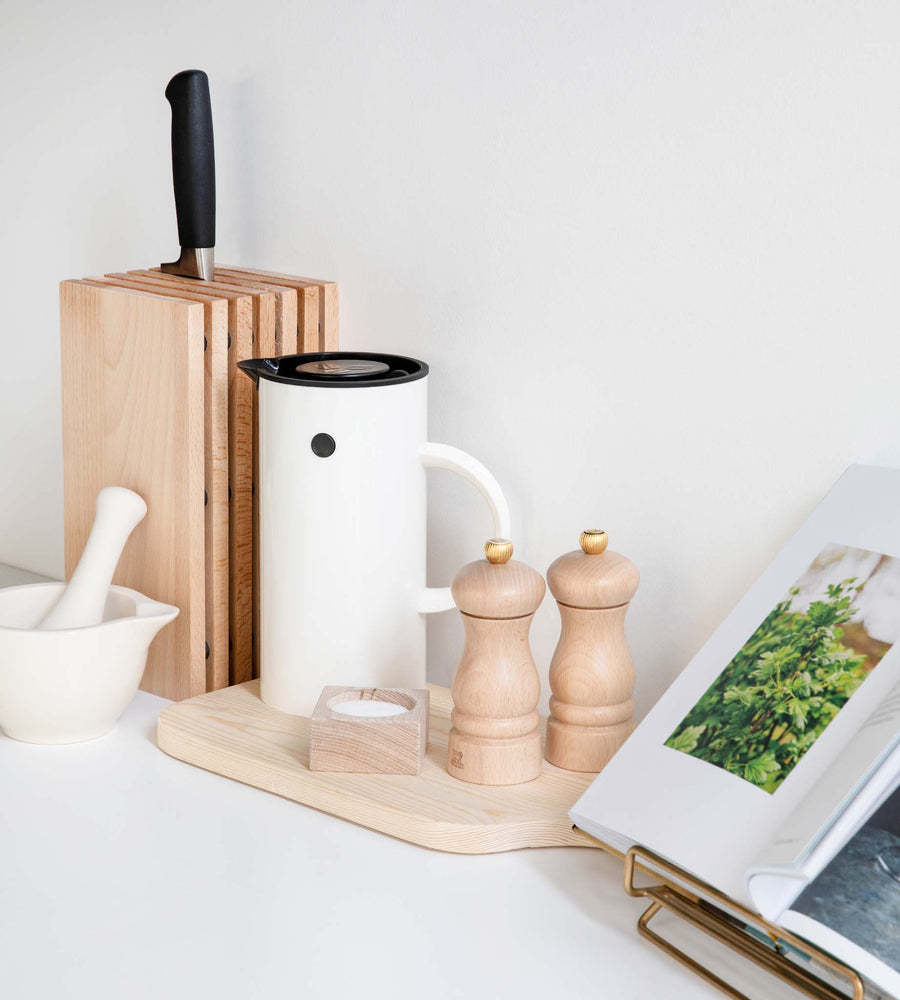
(343, 449)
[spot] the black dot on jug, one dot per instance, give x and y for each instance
(323, 445)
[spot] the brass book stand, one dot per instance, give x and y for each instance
(733, 925)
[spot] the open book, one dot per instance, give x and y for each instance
(770, 769)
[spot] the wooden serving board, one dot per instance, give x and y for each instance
(232, 733)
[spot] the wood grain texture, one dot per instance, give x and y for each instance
(133, 416)
(216, 465)
(241, 418)
(592, 673)
(495, 738)
(593, 581)
(592, 679)
(241, 409)
(386, 745)
(275, 334)
(232, 733)
(217, 514)
(274, 321)
(287, 310)
(498, 590)
(318, 311)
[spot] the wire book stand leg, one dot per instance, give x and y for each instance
(726, 921)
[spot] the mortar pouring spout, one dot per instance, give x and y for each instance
(151, 616)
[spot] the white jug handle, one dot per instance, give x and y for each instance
(443, 456)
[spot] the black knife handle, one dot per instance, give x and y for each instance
(193, 158)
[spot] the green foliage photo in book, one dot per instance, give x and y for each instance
(788, 681)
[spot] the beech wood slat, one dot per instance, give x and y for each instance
(247, 310)
(314, 296)
(275, 334)
(133, 416)
(287, 306)
(216, 464)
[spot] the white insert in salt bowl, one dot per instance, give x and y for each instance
(70, 685)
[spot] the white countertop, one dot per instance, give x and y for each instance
(127, 874)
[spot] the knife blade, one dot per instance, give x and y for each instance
(193, 174)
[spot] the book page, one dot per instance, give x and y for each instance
(852, 908)
(857, 784)
(771, 701)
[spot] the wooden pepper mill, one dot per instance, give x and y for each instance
(495, 738)
(592, 673)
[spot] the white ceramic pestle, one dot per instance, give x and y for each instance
(118, 512)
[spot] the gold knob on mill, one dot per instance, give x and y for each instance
(594, 541)
(498, 550)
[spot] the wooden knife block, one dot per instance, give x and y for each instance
(153, 400)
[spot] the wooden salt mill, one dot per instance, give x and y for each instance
(592, 673)
(495, 738)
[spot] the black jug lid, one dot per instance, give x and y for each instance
(336, 368)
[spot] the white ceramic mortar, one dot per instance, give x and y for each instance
(70, 685)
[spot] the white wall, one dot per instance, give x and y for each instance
(649, 249)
